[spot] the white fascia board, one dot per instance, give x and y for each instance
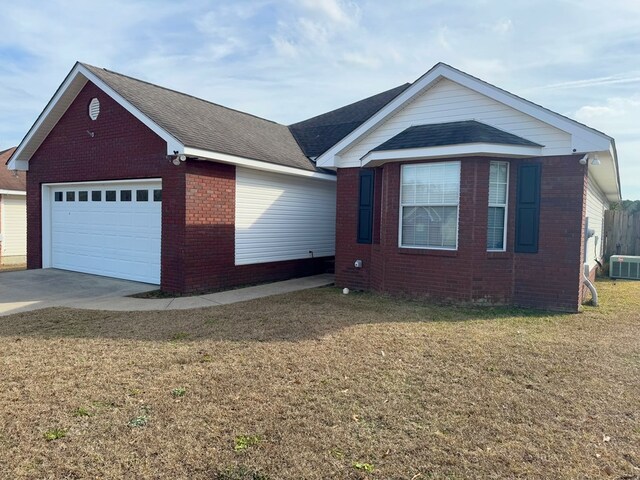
(12, 192)
(173, 144)
(469, 149)
(584, 139)
(18, 163)
(255, 164)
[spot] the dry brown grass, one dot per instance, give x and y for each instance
(317, 385)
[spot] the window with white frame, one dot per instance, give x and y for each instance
(498, 195)
(429, 201)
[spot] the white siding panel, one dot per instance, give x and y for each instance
(14, 227)
(283, 217)
(448, 101)
(597, 203)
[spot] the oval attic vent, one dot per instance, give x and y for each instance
(94, 109)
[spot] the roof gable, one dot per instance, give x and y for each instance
(180, 119)
(583, 138)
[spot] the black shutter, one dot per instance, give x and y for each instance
(365, 206)
(528, 208)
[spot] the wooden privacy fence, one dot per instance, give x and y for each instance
(621, 233)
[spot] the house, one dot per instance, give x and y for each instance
(460, 190)
(446, 187)
(131, 180)
(13, 215)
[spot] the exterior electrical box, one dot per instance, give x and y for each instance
(624, 266)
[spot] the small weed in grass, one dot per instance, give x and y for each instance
(365, 467)
(242, 442)
(179, 392)
(337, 453)
(134, 392)
(139, 421)
(240, 473)
(54, 434)
(81, 412)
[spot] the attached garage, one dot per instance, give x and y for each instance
(104, 228)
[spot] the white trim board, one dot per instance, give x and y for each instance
(375, 158)
(254, 164)
(12, 192)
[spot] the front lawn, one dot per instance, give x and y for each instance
(320, 385)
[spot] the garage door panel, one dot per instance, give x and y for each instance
(120, 238)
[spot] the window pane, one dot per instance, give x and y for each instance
(110, 196)
(71, 196)
(495, 228)
(83, 196)
(429, 226)
(57, 196)
(157, 195)
(142, 195)
(125, 195)
(431, 184)
(96, 196)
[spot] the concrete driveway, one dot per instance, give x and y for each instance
(34, 289)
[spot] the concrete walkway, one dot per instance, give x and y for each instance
(35, 289)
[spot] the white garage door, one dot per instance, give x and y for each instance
(13, 218)
(110, 229)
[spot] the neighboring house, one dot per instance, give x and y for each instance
(13, 214)
(447, 187)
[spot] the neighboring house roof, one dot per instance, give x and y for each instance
(9, 180)
(201, 124)
(316, 135)
(452, 133)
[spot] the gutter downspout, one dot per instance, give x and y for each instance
(588, 233)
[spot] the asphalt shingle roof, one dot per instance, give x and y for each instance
(201, 124)
(453, 133)
(318, 134)
(8, 179)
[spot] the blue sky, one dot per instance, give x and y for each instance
(289, 60)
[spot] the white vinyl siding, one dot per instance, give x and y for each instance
(597, 203)
(429, 200)
(448, 101)
(498, 198)
(283, 217)
(13, 214)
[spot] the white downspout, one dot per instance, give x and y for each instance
(588, 233)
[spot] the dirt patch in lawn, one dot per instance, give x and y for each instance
(318, 385)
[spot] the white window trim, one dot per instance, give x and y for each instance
(457, 205)
(500, 205)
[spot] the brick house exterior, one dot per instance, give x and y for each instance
(223, 224)
(471, 273)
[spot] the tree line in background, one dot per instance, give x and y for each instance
(629, 206)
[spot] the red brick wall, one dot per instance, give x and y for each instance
(548, 279)
(210, 234)
(197, 202)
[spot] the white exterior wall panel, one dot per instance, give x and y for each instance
(283, 217)
(597, 203)
(13, 215)
(448, 101)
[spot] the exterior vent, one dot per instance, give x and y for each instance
(94, 109)
(624, 266)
